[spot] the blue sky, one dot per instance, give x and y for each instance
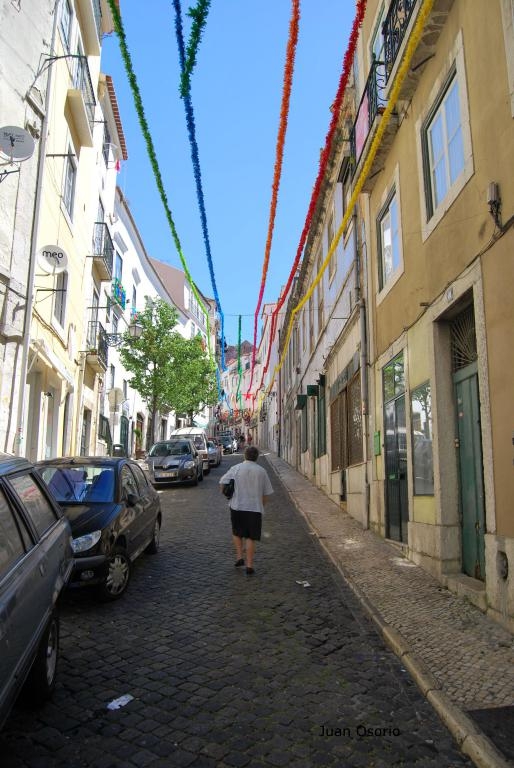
(236, 90)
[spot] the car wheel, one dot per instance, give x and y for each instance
(118, 575)
(40, 683)
(153, 547)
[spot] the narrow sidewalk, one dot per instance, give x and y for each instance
(460, 659)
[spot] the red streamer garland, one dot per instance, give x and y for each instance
(343, 82)
(279, 156)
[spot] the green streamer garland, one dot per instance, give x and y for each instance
(138, 102)
(199, 16)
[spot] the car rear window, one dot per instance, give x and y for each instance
(87, 482)
(35, 502)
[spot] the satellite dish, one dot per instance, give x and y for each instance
(52, 259)
(16, 143)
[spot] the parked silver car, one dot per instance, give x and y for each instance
(176, 460)
(215, 453)
(35, 564)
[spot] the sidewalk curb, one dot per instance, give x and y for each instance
(472, 742)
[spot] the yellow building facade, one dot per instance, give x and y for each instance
(439, 203)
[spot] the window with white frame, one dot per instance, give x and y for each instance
(311, 325)
(65, 22)
(118, 269)
(389, 240)
(320, 295)
(107, 144)
(443, 146)
(332, 265)
(69, 183)
(61, 285)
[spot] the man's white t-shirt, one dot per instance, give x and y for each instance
(251, 484)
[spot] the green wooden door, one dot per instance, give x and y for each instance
(124, 432)
(397, 503)
(470, 471)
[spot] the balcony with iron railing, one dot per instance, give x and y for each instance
(103, 251)
(81, 101)
(96, 353)
(396, 30)
(371, 108)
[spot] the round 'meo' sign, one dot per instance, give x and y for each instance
(52, 259)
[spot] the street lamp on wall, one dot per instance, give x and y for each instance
(115, 339)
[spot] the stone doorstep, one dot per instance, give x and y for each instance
(464, 586)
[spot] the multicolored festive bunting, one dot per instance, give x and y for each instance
(186, 67)
(401, 74)
(138, 102)
(336, 109)
(279, 156)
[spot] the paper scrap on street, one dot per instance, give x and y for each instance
(120, 702)
(303, 583)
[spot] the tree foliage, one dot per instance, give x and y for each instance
(169, 372)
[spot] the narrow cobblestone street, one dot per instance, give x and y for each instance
(280, 669)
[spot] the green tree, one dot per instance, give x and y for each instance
(169, 372)
(193, 378)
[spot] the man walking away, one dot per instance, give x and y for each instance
(252, 486)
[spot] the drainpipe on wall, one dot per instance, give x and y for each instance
(21, 415)
(363, 360)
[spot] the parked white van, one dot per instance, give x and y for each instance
(197, 435)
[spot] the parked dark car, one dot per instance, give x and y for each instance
(228, 444)
(174, 461)
(114, 513)
(35, 563)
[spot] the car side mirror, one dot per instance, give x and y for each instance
(132, 499)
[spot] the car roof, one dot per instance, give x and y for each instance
(10, 463)
(188, 431)
(81, 461)
(172, 438)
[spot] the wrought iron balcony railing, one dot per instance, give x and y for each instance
(82, 82)
(393, 30)
(371, 104)
(97, 341)
(103, 247)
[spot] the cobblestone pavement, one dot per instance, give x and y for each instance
(462, 659)
(284, 668)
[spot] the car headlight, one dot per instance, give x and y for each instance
(83, 543)
(189, 464)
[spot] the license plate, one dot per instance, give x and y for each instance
(166, 474)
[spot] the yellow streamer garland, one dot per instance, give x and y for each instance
(393, 98)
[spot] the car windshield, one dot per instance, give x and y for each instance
(86, 483)
(173, 448)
